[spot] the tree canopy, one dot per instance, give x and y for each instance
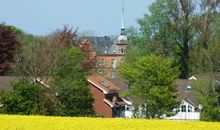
(8, 45)
(152, 79)
(70, 85)
(26, 98)
(175, 28)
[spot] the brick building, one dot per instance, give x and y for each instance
(107, 102)
(109, 54)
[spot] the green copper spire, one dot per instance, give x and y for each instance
(123, 21)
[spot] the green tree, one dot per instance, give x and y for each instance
(174, 27)
(137, 45)
(70, 85)
(152, 79)
(26, 98)
(206, 60)
(209, 98)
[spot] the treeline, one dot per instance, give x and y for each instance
(50, 72)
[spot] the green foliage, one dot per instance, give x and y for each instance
(137, 41)
(152, 79)
(156, 27)
(137, 45)
(73, 95)
(174, 28)
(168, 34)
(208, 97)
(26, 98)
(206, 60)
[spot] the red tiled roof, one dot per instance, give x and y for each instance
(105, 85)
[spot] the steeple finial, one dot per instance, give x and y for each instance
(123, 21)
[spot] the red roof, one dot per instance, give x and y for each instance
(102, 83)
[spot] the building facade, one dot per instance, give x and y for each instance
(109, 54)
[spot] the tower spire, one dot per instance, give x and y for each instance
(123, 21)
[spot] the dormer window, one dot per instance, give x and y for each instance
(121, 51)
(188, 87)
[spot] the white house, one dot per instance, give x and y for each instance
(186, 111)
(189, 108)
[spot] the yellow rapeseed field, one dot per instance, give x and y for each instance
(16, 122)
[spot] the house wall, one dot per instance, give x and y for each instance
(99, 105)
(107, 67)
(128, 111)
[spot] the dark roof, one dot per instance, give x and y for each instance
(5, 82)
(184, 94)
(101, 45)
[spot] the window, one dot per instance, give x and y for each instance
(122, 51)
(183, 108)
(101, 73)
(113, 63)
(101, 62)
(113, 60)
(189, 108)
(113, 73)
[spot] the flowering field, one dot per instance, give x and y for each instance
(69, 123)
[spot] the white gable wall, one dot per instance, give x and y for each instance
(185, 113)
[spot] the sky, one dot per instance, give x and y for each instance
(94, 17)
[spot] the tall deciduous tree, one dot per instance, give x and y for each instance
(65, 36)
(70, 85)
(152, 79)
(38, 55)
(8, 46)
(174, 27)
(89, 61)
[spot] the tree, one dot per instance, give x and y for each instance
(70, 85)
(65, 36)
(137, 45)
(206, 21)
(8, 46)
(174, 27)
(89, 61)
(152, 79)
(209, 97)
(27, 98)
(170, 25)
(38, 55)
